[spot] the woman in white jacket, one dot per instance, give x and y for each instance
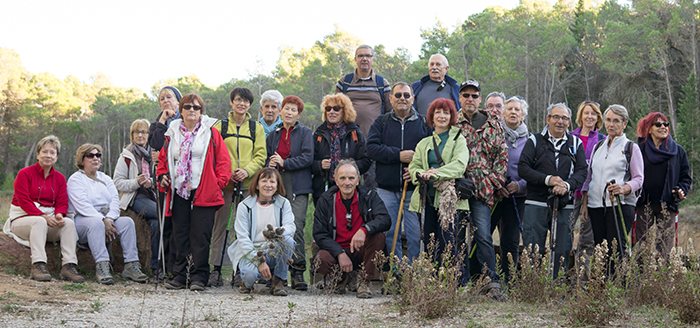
(254, 251)
(132, 177)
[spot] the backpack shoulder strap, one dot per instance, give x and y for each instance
(533, 137)
(600, 143)
(380, 88)
(346, 82)
(628, 157)
(251, 128)
(385, 118)
(224, 129)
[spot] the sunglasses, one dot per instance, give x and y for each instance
(93, 155)
(195, 107)
(348, 217)
(333, 108)
(467, 95)
(406, 95)
(659, 124)
(591, 102)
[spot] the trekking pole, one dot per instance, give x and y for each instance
(517, 214)
(553, 230)
(628, 242)
(235, 198)
(398, 220)
(676, 200)
(161, 217)
(617, 225)
(423, 193)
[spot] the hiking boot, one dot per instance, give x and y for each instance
(245, 290)
(494, 290)
(277, 288)
(159, 277)
(352, 282)
(39, 272)
(215, 279)
(102, 274)
(266, 282)
(70, 272)
(132, 270)
(237, 281)
(298, 282)
(172, 284)
(197, 286)
(340, 286)
(363, 290)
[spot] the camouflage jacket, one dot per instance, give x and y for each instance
(488, 156)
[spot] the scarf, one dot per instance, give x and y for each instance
(142, 155)
(666, 150)
(513, 135)
(184, 166)
(338, 131)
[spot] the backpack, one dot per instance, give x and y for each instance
(225, 134)
(380, 87)
(628, 156)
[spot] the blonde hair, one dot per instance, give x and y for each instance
(136, 125)
(49, 140)
(349, 113)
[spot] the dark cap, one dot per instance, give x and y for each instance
(470, 83)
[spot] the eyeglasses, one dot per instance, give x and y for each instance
(615, 121)
(93, 155)
(364, 56)
(241, 100)
(557, 118)
(193, 107)
(333, 108)
(406, 95)
(492, 106)
(467, 95)
(659, 124)
(142, 132)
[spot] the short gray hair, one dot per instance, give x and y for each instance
(444, 59)
(497, 94)
(273, 95)
(347, 161)
(618, 110)
(364, 46)
(562, 105)
(401, 84)
(49, 140)
(523, 104)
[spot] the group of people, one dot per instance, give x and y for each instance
(235, 191)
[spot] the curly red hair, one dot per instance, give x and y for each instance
(294, 100)
(644, 125)
(442, 103)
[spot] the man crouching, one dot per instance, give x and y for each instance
(349, 225)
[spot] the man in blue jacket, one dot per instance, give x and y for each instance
(437, 84)
(391, 142)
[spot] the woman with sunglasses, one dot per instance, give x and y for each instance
(338, 137)
(38, 213)
(94, 205)
(193, 167)
(290, 150)
(132, 177)
(667, 181)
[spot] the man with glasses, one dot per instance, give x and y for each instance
(495, 104)
(392, 139)
(349, 225)
(369, 94)
(488, 160)
(553, 163)
(437, 84)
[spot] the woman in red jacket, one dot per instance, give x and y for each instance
(194, 165)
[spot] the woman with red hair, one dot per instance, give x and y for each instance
(660, 192)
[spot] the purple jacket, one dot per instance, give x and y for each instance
(593, 137)
(513, 159)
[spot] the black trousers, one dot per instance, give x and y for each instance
(605, 228)
(192, 226)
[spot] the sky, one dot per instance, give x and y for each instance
(138, 43)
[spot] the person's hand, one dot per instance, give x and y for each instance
(154, 155)
(344, 262)
(165, 182)
(264, 270)
(556, 181)
(406, 174)
(167, 114)
(147, 184)
(141, 179)
(584, 213)
(276, 161)
(512, 188)
(501, 193)
(406, 156)
(59, 219)
(326, 164)
(680, 193)
(358, 241)
(240, 174)
(617, 189)
(110, 229)
(50, 220)
(559, 190)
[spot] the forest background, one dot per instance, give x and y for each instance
(641, 54)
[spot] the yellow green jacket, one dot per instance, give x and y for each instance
(244, 154)
(456, 157)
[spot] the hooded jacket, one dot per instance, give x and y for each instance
(300, 158)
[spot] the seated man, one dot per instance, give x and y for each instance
(349, 225)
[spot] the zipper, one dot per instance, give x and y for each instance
(400, 163)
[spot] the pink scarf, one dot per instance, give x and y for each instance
(184, 166)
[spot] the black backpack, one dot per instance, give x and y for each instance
(225, 134)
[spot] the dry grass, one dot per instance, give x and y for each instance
(5, 200)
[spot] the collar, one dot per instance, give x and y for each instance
(371, 77)
(274, 124)
(40, 169)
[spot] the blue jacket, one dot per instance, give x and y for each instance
(387, 138)
(454, 85)
(300, 158)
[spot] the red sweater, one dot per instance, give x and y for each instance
(31, 186)
(342, 235)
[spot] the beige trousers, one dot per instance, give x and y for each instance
(35, 229)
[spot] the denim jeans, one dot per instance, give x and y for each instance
(537, 222)
(507, 216)
(481, 220)
(146, 207)
(278, 265)
(409, 220)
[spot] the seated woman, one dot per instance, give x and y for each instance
(94, 202)
(447, 162)
(38, 210)
(132, 177)
(254, 251)
(338, 137)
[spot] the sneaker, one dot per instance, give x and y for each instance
(245, 290)
(277, 288)
(70, 272)
(363, 290)
(173, 284)
(102, 274)
(237, 281)
(298, 282)
(215, 279)
(197, 286)
(132, 270)
(39, 272)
